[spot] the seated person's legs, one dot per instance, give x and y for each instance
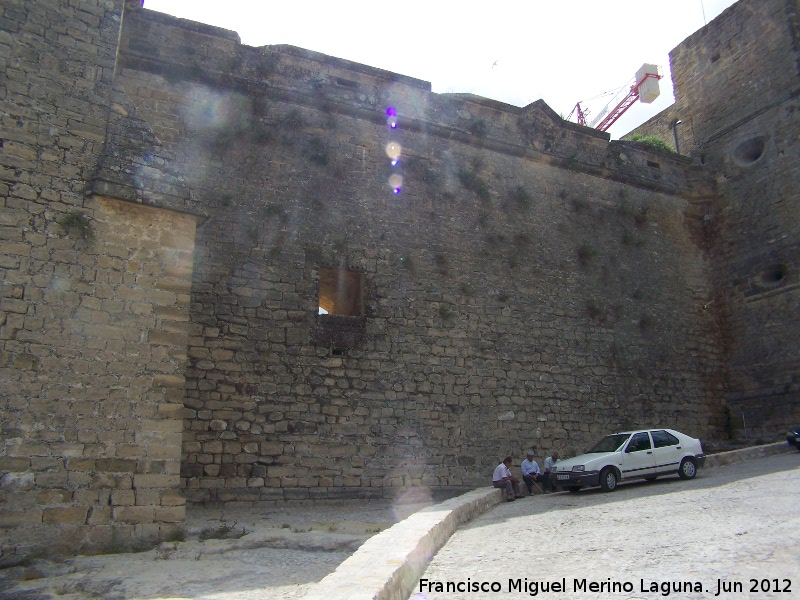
(528, 482)
(505, 485)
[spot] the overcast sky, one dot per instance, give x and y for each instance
(514, 51)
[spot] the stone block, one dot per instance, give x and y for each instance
(18, 481)
(170, 514)
(65, 516)
(10, 519)
(167, 339)
(123, 498)
(173, 498)
(162, 426)
(99, 515)
(115, 465)
(164, 452)
(48, 497)
(52, 479)
(14, 464)
(81, 464)
(133, 514)
(155, 481)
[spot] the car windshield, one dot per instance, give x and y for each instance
(610, 443)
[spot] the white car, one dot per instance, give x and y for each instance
(642, 454)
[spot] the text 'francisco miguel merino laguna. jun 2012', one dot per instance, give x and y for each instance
(717, 587)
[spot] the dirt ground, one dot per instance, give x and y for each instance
(230, 554)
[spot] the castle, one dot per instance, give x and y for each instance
(246, 275)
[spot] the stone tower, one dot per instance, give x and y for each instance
(736, 110)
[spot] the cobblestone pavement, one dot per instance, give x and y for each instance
(728, 526)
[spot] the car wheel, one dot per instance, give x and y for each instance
(574, 488)
(688, 468)
(650, 478)
(608, 479)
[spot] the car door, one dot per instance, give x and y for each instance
(637, 458)
(668, 451)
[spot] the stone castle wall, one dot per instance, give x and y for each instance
(94, 310)
(530, 285)
(177, 207)
(736, 88)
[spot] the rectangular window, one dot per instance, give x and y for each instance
(341, 292)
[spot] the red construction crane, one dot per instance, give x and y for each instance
(581, 116)
(644, 89)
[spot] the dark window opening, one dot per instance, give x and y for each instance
(346, 82)
(341, 321)
(341, 292)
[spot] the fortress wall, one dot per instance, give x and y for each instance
(532, 284)
(736, 87)
(175, 213)
(93, 306)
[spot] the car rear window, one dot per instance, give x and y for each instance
(663, 438)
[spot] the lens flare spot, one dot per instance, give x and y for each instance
(393, 150)
(410, 501)
(392, 122)
(391, 111)
(396, 183)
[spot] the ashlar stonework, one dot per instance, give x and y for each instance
(218, 287)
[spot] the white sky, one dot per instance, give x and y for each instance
(514, 51)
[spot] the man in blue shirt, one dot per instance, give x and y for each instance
(530, 472)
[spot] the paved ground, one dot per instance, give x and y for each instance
(730, 525)
(232, 554)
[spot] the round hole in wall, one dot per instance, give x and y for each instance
(749, 151)
(772, 276)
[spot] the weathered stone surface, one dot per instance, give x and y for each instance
(737, 106)
(531, 284)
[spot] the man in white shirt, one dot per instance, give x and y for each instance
(548, 467)
(531, 473)
(503, 479)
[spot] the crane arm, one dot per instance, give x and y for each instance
(624, 104)
(618, 110)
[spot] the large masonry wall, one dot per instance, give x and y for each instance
(530, 285)
(177, 207)
(94, 304)
(736, 87)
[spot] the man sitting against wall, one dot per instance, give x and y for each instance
(531, 474)
(548, 481)
(503, 479)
